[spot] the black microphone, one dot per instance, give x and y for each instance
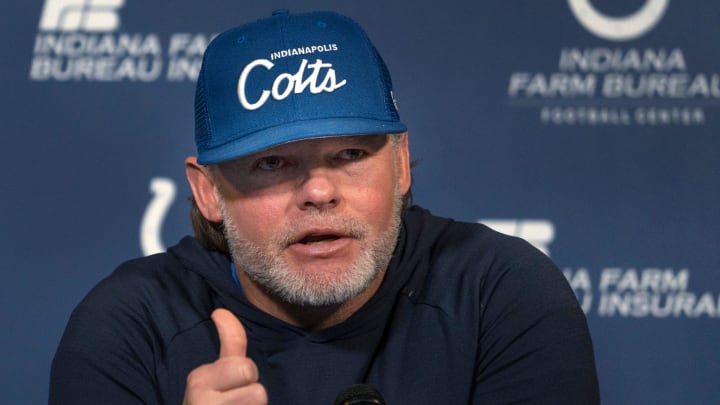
(359, 394)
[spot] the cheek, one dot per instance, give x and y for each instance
(376, 197)
(255, 218)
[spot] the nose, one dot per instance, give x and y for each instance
(318, 190)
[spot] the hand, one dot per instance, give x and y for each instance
(233, 377)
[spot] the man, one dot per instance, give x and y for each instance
(308, 272)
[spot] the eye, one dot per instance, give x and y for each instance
(270, 163)
(351, 154)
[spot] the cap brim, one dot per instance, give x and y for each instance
(297, 131)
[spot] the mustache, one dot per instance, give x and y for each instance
(330, 224)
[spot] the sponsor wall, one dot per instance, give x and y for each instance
(588, 127)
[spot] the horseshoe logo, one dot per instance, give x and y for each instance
(163, 190)
(618, 28)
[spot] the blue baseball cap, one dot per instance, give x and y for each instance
(287, 78)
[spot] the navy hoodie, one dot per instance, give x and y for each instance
(465, 315)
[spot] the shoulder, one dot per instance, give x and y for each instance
(459, 251)
(120, 338)
(515, 304)
(474, 271)
(157, 294)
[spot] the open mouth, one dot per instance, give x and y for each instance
(321, 243)
(314, 239)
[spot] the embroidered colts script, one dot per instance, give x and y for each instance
(316, 77)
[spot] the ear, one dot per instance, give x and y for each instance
(403, 160)
(203, 189)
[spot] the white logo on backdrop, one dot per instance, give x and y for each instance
(163, 190)
(80, 40)
(618, 28)
(85, 15)
(618, 292)
(539, 233)
(616, 85)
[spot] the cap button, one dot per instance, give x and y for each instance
(281, 11)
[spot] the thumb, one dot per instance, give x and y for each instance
(233, 340)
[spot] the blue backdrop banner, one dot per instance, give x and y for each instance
(590, 128)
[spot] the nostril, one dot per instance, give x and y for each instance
(320, 203)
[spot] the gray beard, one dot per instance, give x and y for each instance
(304, 287)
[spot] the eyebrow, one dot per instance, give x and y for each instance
(369, 139)
(366, 140)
